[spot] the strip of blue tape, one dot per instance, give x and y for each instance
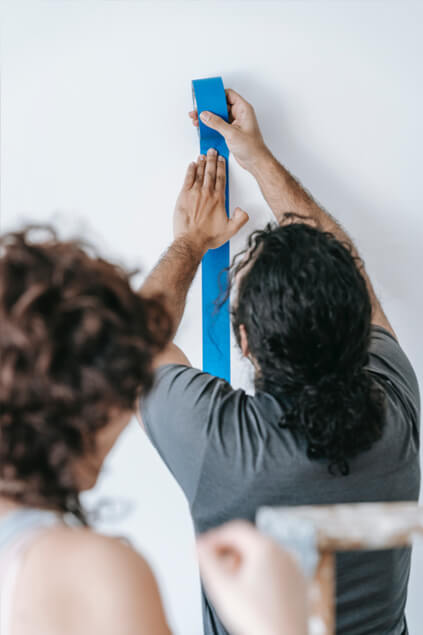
(209, 94)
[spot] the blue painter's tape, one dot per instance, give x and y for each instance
(209, 94)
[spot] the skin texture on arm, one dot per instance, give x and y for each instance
(200, 223)
(94, 584)
(284, 194)
(255, 586)
(171, 278)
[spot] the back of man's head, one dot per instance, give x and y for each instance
(306, 312)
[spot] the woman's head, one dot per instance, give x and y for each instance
(76, 348)
(304, 313)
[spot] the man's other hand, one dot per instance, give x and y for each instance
(200, 214)
(242, 134)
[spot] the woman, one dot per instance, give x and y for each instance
(76, 348)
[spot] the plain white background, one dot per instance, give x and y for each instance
(95, 136)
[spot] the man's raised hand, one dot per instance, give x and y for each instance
(200, 214)
(242, 134)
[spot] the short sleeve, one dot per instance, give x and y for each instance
(177, 414)
(392, 367)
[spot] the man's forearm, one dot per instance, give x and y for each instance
(285, 194)
(171, 278)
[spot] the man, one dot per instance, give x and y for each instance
(335, 417)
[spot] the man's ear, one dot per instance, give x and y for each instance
(243, 340)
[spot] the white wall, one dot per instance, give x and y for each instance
(93, 125)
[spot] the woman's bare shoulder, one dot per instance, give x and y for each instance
(92, 576)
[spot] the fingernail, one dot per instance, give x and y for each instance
(220, 158)
(205, 116)
(202, 157)
(212, 151)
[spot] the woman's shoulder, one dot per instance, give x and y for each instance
(83, 573)
(82, 550)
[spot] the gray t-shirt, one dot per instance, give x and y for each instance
(229, 455)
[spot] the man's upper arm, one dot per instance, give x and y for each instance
(176, 416)
(172, 354)
(389, 361)
(378, 314)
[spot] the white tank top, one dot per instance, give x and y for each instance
(17, 531)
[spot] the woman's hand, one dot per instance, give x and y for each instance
(200, 214)
(242, 134)
(256, 587)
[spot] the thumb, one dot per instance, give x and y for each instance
(217, 564)
(238, 220)
(215, 122)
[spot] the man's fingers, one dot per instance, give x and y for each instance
(200, 170)
(233, 97)
(193, 115)
(221, 174)
(215, 122)
(233, 225)
(236, 103)
(238, 220)
(190, 176)
(210, 170)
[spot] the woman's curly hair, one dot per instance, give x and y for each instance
(307, 313)
(75, 342)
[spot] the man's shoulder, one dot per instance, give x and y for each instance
(392, 368)
(181, 389)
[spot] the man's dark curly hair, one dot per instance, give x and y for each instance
(75, 342)
(307, 313)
